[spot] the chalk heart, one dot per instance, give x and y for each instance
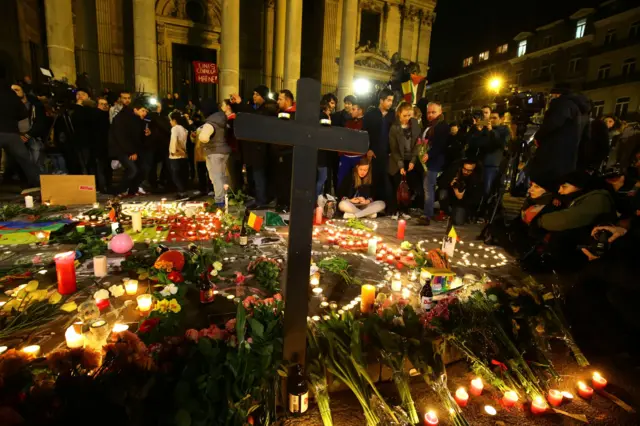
(121, 243)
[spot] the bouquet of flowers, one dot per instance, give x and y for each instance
(423, 148)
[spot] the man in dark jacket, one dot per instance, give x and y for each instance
(12, 110)
(460, 190)
(82, 120)
(487, 143)
(100, 152)
(436, 134)
(377, 122)
(340, 118)
(125, 142)
(33, 129)
(559, 136)
(282, 155)
(255, 153)
(159, 138)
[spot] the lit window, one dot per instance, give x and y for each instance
(622, 107)
(522, 48)
(503, 48)
(629, 66)
(610, 36)
(604, 71)
(468, 61)
(598, 109)
(483, 56)
(580, 27)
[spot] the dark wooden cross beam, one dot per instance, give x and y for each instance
(307, 136)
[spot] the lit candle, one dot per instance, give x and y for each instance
(538, 406)
(33, 350)
(430, 418)
(396, 285)
(597, 381)
(509, 399)
(476, 386)
(462, 397)
(314, 281)
(317, 291)
(3, 349)
(119, 328)
(99, 329)
(584, 391)
(410, 256)
(66, 272)
(490, 410)
(406, 293)
(554, 397)
(73, 338)
(414, 276)
(28, 202)
(367, 298)
(131, 287)
(380, 255)
(80, 229)
(424, 276)
(567, 395)
(145, 301)
(96, 205)
(100, 266)
(136, 221)
(372, 247)
(402, 224)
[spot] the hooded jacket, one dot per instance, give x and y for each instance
(585, 210)
(559, 136)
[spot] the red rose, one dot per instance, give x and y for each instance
(175, 277)
(148, 325)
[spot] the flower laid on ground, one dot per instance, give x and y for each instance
(116, 290)
(101, 294)
(230, 326)
(147, 325)
(192, 334)
(169, 290)
(213, 332)
(214, 272)
(174, 306)
(162, 306)
(175, 277)
(240, 278)
(217, 266)
(163, 265)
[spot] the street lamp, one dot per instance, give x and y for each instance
(495, 84)
(362, 86)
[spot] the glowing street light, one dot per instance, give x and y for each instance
(495, 84)
(362, 86)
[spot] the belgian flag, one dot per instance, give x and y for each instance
(255, 222)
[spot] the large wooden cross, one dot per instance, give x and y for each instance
(307, 136)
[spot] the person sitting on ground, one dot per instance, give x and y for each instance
(356, 195)
(460, 191)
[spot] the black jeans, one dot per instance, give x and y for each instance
(130, 180)
(455, 208)
(283, 179)
(104, 174)
(14, 147)
(180, 173)
(414, 180)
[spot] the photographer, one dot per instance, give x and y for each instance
(83, 121)
(34, 128)
(460, 191)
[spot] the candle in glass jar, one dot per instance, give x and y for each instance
(538, 406)
(462, 397)
(100, 266)
(317, 291)
(584, 391)
(73, 338)
(136, 221)
(314, 281)
(119, 328)
(33, 350)
(66, 272)
(476, 386)
(396, 285)
(372, 247)
(430, 418)
(99, 329)
(597, 381)
(554, 397)
(402, 224)
(367, 298)
(145, 302)
(509, 399)
(131, 287)
(80, 229)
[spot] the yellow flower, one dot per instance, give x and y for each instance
(69, 307)
(162, 306)
(55, 298)
(174, 306)
(31, 286)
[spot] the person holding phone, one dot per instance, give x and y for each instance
(356, 195)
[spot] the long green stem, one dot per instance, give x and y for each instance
(405, 395)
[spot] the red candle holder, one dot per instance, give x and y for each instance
(538, 406)
(598, 382)
(402, 224)
(585, 391)
(461, 397)
(555, 397)
(476, 386)
(430, 419)
(66, 272)
(509, 399)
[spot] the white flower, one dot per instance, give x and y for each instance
(214, 273)
(217, 266)
(169, 290)
(101, 294)
(116, 290)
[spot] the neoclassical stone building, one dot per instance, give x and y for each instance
(150, 45)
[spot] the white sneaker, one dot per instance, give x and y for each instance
(141, 191)
(373, 216)
(349, 216)
(394, 217)
(210, 194)
(405, 216)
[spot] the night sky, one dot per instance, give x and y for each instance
(487, 25)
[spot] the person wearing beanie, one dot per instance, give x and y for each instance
(211, 138)
(255, 153)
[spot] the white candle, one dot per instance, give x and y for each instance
(314, 281)
(73, 338)
(100, 266)
(136, 221)
(373, 247)
(28, 202)
(119, 328)
(32, 350)
(145, 301)
(96, 205)
(396, 285)
(3, 349)
(131, 286)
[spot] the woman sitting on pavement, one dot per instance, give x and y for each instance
(355, 193)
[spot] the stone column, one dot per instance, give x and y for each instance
(60, 44)
(347, 49)
(393, 30)
(87, 40)
(330, 46)
(145, 50)
(269, 13)
(278, 58)
(230, 49)
(293, 37)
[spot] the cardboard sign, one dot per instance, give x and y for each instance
(205, 72)
(67, 190)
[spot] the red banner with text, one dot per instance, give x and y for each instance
(205, 72)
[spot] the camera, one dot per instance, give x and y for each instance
(459, 184)
(601, 244)
(521, 105)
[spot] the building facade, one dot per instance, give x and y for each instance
(150, 45)
(595, 51)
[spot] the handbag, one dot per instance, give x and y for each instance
(402, 193)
